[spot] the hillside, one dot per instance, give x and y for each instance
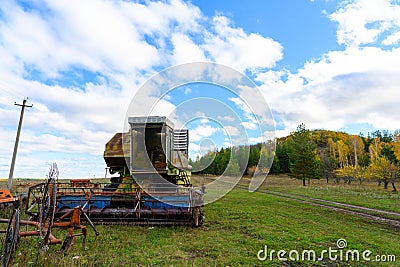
(339, 156)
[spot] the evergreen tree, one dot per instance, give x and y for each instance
(282, 153)
(303, 156)
(254, 155)
(275, 167)
(242, 156)
(388, 152)
(233, 169)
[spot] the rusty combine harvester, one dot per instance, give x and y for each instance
(150, 182)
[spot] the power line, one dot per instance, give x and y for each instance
(10, 92)
(23, 105)
(7, 94)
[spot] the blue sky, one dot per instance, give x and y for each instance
(300, 26)
(330, 64)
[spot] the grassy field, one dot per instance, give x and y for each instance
(367, 194)
(236, 228)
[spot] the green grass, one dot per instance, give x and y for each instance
(368, 194)
(236, 228)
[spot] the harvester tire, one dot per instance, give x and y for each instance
(198, 217)
(11, 240)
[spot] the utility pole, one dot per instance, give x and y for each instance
(10, 177)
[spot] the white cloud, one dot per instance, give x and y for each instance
(235, 48)
(344, 87)
(255, 140)
(249, 125)
(99, 35)
(99, 41)
(231, 130)
(392, 39)
(364, 21)
(227, 144)
(204, 120)
(226, 118)
(155, 18)
(201, 132)
(241, 105)
(162, 108)
(185, 50)
(251, 122)
(283, 133)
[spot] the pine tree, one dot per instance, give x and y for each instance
(303, 156)
(233, 169)
(275, 167)
(282, 153)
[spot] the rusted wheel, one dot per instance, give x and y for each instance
(11, 240)
(47, 210)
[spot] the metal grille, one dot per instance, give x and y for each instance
(180, 139)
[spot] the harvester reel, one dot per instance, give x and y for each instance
(47, 209)
(11, 240)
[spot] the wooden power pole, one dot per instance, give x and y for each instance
(10, 177)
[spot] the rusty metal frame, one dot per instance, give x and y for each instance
(43, 198)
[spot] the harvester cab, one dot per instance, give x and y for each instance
(151, 146)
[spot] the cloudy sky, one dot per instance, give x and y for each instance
(330, 64)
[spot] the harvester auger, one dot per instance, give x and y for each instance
(151, 185)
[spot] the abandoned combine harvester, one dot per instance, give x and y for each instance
(154, 189)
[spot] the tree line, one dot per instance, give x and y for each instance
(234, 160)
(306, 155)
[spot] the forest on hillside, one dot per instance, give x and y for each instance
(315, 154)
